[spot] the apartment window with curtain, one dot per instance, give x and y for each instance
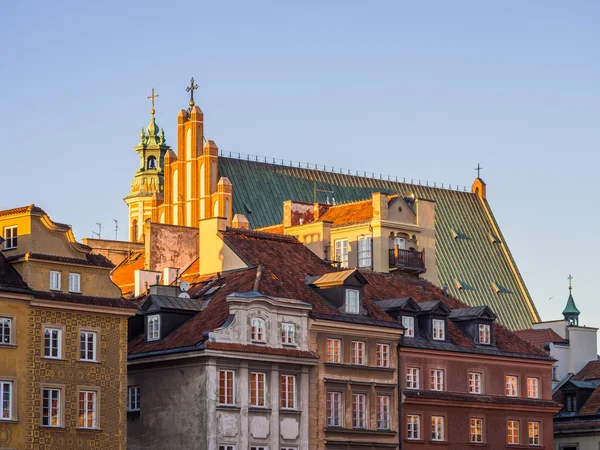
(10, 237)
(358, 353)
(513, 432)
(226, 387)
(288, 392)
(352, 301)
(87, 346)
(439, 329)
(54, 280)
(437, 428)
(75, 283)
(408, 322)
(6, 400)
(383, 355)
(153, 327)
(364, 251)
(485, 334)
(51, 407)
(6, 325)
(288, 333)
(334, 350)
(53, 343)
(512, 386)
(534, 433)
(437, 380)
(334, 409)
(258, 330)
(359, 411)
(383, 412)
(133, 398)
(476, 430)
(257, 389)
(474, 383)
(87, 409)
(412, 377)
(413, 427)
(341, 252)
(533, 387)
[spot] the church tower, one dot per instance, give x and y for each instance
(571, 313)
(147, 187)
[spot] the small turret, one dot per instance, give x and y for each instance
(571, 313)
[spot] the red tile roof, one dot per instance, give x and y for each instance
(192, 272)
(592, 405)
(10, 279)
(253, 348)
(576, 425)
(85, 299)
(90, 259)
(21, 210)
(591, 371)
(124, 274)
(349, 213)
(277, 229)
(540, 337)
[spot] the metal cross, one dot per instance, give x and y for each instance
(152, 97)
(569, 278)
(478, 169)
(191, 88)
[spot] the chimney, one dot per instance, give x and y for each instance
(287, 214)
(143, 278)
(170, 275)
(380, 205)
(240, 221)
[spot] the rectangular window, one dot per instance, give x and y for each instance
(413, 427)
(554, 373)
(476, 427)
(5, 330)
(383, 355)
(383, 412)
(54, 280)
(534, 433)
(364, 251)
(533, 387)
(10, 238)
(513, 432)
(257, 389)
(485, 334)
(87, 409)
(51, 408)
(474, 383)
(52, 343)
(87, 346)
(341, 252)
(439, 329)
(408, 322)
(226, 387)
(133, 398)
(258, 330)
(352, 301)
(437, 380)
(288, 333)
(75, 283)
(6, 400)
(333, 350)
(227, 447)
(153, 327)
(288, 392)
(359, 411)
(334, 409)
(437, 428)
(358, 353)
(412, 378)
(512, 386)
(258, 447)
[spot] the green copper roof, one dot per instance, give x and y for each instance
(476, 269)
(570, 309)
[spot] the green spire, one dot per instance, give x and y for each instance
(571, 313)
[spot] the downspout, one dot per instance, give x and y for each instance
(399, 372)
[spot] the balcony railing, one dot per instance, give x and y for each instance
(407, 260)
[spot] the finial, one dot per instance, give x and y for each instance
(152, 97)
(162, 136)
(191, 88)
(478, 169)
(570, 278)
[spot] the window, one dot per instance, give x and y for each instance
(400, 243)
(571, 403)
(439, 330)
(6, 399)
(408, 322)
(75, 283)
(383, 355)
(10, 237)
(133, 398)
(52, 343)
(334, 409)
(258, 330)
(511, 386)
(476, 428)
(226, 387)
(153, 327)
(532, 387)
(341, 252)
(485, 334)
(54, 280)
(5, 330)
(226, 447)
(364, 251)
(51, 408)
(288, 392)
(359, 411)
(87, 346)
(513, 431)
(474, 383)
(383, 412)
(258, 447)
(257, 389)
(358, 353)
(412, 378)
(534, 433)
(288, 333)
(437, 380)
(437, 428)
(554, 373)
(413, 427)
(352, 301)
(333, 350)
(87, 409)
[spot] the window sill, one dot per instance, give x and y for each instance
(134, 412)
(259, 409)
(49, 427)
(75, 292)
(289, 411)
(360, 431)
(259, 342)
(439, 442)
(415, 441)
(360, 366)
(230, 407)
(89, 430)
(289, 345)
(55, 290)
(3, 345)
(86, 361)
(15, 421)
(50, 358)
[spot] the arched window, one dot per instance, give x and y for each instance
(258, 330)
(213, 177)
(134, 231)
(151, 162)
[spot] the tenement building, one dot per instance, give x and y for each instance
(63, 335)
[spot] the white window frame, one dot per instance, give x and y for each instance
(55, 281)
(153, 327)
(475, 383)
(255, 388)
(133, 398)
(383, 355)
(513, 432)
(412, 377)
(485, 334)
(359, 411)
(413, 427)
(383, 412)
(476, 430)
(533, 387)
(84, 339)
(365, 251)
(258, 329)
(341, 252)
(227, 447)
(89, 406)
(285, 384)
(334, 409)
(352, 296)
(56, 345)
(437, 428)
(51, 414)
(408, 322)
(534, 439)
(75, 283)
(288, 333)
(6, 404)
(436, 379)
(6, 330)
(359, 356)
(11, 242)
(439, 329)
(334, 351)
(400, 242)
(229, 376)
(511, 386)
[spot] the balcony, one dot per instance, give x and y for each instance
(407, 261)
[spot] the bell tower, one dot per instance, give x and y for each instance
(147, 186)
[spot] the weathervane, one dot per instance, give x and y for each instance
(152, 97)
(570, 278)
(191, 88)
(478, 169)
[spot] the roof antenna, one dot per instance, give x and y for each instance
(445, 291)
(157, 279)
(219, 279)
(99, 233)
(116, 229)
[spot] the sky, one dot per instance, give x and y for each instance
(424, 90)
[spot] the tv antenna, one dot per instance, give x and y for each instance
(315, 190)
(116, 229)
(99, 233)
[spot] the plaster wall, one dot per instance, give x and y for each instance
(114, 251)
(558, 326)
(561, 354)
(170, 246)
(214, 255)
(583, 347)
(589, 441)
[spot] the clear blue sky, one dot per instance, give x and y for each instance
(421, 89)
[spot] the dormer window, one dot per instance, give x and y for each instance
(439, 329)
(408, 322)
(352, 301)
(258, 330)
(10, 237)
(485, 334)
(288, 333)
(153, 328)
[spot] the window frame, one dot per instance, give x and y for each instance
(437, 379)
(409, 330)
(10, 243)
(472, 434)
(359, 416)
(383, 355)
(535, 436)
(331, 412)
(284, 402)
(227, 447)
(59, 342)
(153, 327)
(10, 320)
(137, 398)
(338, 347)
(438, 428)
(58, 276)
(487, 335)
(74, 276)
(59, 408)
(412, 378)
(94, 410)
(413, 427)
(343, 249)
(508, 389)
(225, 394)
(94, 335)
(258, 330)
(361, 258)
(534, 386)
(348, 300)
(511, 428)
(475, 381)
(359, 353)
(288, 333)
(11, 402)
(383, 414)
(438, 333)
(255, 389)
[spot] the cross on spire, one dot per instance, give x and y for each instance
(152, 97)
(570, 278)
(478, 169)
(191, 88)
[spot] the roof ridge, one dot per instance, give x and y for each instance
(263, 235)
